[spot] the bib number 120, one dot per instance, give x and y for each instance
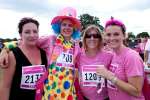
(91, 77)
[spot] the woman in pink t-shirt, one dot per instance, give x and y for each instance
(125, 75)
(93, 55)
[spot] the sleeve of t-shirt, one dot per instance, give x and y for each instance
(133, 65)
(147, 46)
(43, 42)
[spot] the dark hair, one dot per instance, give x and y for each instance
(26, 20)
(113, 21)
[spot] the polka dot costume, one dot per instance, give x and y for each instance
(59, 84)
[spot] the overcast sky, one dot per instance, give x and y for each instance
(134, 13)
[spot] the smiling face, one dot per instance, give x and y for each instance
(66, 28)
(29, 34)
(114, 36)
(92, 39)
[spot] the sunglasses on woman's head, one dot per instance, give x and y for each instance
(92, 35)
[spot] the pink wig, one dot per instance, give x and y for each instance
(113, 21)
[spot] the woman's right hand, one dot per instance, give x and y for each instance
(4, 58)
(105, 73)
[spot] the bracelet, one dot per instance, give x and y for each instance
(114, 80)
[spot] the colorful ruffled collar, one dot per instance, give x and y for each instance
(66, 44)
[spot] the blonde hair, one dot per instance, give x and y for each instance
(89, 28)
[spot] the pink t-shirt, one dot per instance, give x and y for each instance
(102, 58)
(127, 64)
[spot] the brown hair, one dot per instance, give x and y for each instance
(26, 20)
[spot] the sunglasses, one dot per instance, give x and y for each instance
(92, 35)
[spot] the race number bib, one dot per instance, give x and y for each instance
(65, 58)
(30, 75)
(89, 76)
